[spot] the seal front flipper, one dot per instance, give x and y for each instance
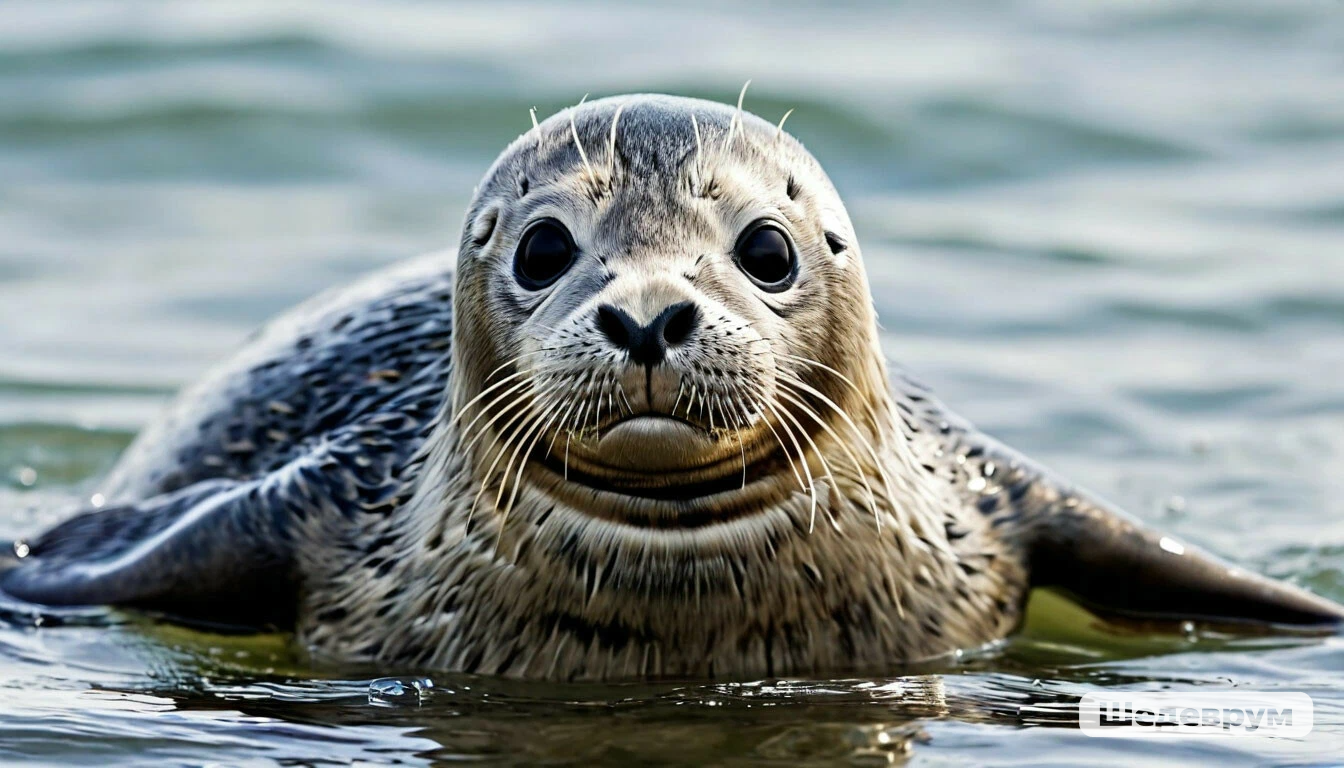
(1112, 563)
(217, 552)
(1107, 561)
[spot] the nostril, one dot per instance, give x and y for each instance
(647, 345)
(681, 320)
(612, 323)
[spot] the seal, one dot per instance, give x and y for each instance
(643, 428)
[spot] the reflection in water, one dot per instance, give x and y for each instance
(122, 684)
(1109, 233)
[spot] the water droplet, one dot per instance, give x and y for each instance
(976, 484)
(400, 691)
(27, 476)
(1188, 629)
(21, 549)
(97, 500)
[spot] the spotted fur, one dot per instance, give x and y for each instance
(410, 471)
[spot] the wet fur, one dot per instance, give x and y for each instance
(554, 590)
(411, 547)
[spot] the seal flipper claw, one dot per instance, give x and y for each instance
(218, 547)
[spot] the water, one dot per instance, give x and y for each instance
(1111, 233)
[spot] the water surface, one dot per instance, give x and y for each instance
(1111, 233)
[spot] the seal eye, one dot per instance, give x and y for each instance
(544, 254)
(765, 254)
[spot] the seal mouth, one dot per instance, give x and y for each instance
(648, 451)
(651, 442)
(668, 502)
(649, 417)
(659, 471)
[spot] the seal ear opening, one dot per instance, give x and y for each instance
(835, 243)
(483, 228)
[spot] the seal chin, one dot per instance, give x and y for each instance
(653, 443)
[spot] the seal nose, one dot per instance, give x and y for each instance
(648, 344)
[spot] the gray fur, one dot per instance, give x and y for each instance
(412, 497)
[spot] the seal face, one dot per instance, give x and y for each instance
(643, 428)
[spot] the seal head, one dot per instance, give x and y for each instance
(655, 289)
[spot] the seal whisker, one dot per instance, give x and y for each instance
(517, 411)
(597, 409)
(742, 447)
(863, 439)
(580, 417)
(736, 121)
(574, 130)
(811, 487)
(611, 151)
(630, 409)
(696, 182)
(867, 401)
(508, 407)
(527, 415)
(539, 430)
(598, 390)
(559, 428)
(597, 405)
(825, 466)
(486, 393)
(872, 413)
(722, 400)
(779, 129)
(516, 358)
(513, 392)
(726, 414)
(568, 437)
(784, 449)
(523, 412)
(853, 459)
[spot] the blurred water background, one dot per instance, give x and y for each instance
(1111, 233)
